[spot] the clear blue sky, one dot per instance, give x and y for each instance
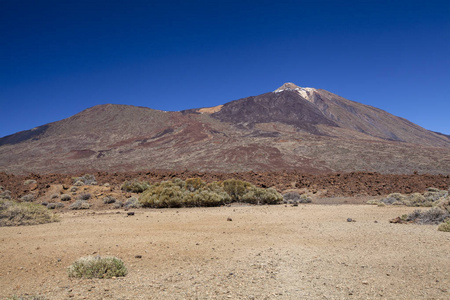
(60, 57)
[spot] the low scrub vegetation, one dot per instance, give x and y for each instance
(135, 186)
(55, 205)
(5, 194)
(431, 198)
(15, 214)
(65, 197)
(261, 196)
(86, 179)
(85, 196)
(434, 215)
(27, 198)
(132, 202)
(295, 198)
(438, 200)
(194, 192)
(80, 204)
(445, 226)
(109, 200)
(97, 267)
(236, 189)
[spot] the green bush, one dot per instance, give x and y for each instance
(205, 198)
(16, 214)
(135, 186)
(236, 188)
(163, 194)
(178, 193)
(194, 184)
(97, 267)
(262, 196)
(445, 226)
(194, 192)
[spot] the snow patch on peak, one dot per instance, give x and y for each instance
(287, 86)
(305, 92)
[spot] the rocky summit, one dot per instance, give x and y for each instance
(304, 129)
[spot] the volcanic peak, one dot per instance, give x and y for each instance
(305, 92)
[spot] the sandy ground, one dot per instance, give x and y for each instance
(268, 252)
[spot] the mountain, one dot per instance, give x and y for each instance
(292, 128)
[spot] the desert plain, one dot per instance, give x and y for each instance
(309, 251)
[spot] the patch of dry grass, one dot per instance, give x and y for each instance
(97, 267)
(16, 214)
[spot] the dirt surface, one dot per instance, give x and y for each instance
(326, 185)
(265, 252)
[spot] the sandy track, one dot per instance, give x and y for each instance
(275, 252)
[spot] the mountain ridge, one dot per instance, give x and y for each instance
(279, 130)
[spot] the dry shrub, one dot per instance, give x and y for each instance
(97, 267)
(5, 194)
(262, 196)
(434, 215)
(85, 196)
(135, 186)
(15, 214)
(55, 205)
(163, 194)
(79, 204)
(65, 197)
(109, 199)
(194, 192)
(27, 198)
(430, 198)
(177, 193)
(86, 179)
(445, 226)
(236, 188)
(294, 198)
(117, 204)
(194, 184)
(132, 202)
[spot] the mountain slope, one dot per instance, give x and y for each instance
(292, 128)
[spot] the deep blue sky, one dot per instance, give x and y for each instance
(60, 57)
